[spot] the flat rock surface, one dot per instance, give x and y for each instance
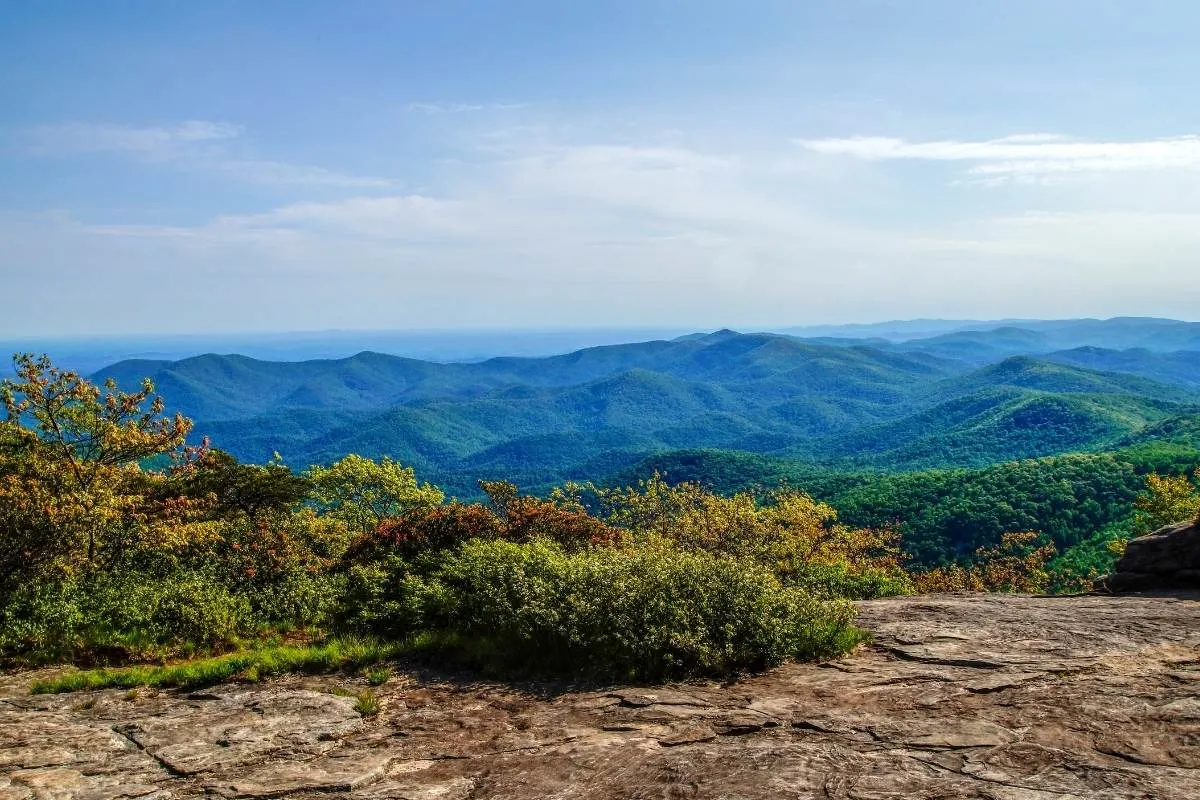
(960, 696)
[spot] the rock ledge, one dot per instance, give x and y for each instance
(1169, 558)
(960, 696)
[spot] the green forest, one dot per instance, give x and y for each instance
(599, 412)
(126, 545)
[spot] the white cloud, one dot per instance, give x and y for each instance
(459, 108)
(102, 137)
(1106, 243)
(534, 229)
(250, 170)
(386, 217)
(590, 213)
(198, 145)
(1024, 156)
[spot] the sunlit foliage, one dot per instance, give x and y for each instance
(1017, 564)
(800, 539)
(72, 491)
(363, 492)
(120, 542)
(1167, 499)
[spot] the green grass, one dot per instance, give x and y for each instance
(366, 704)
(378, 676)
(251, 665)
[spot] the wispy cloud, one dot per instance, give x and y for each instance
(200, 145)
(102, 137)
(252, 170)
(545, 224)
(677, 214)
(1024, 156)
(459, 108)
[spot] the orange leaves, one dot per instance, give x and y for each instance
(430, 529)
(519, 519)
(1017, 564)
(528, 518)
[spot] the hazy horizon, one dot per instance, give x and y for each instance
(245, 168)
(465, 344)
(544, 329)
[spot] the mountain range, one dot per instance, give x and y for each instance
(958, 398)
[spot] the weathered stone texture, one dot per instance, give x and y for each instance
(1169, 558)
(960, 696)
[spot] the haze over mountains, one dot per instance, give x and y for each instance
(461, 344)
(959, 397)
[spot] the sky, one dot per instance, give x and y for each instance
(407, 164)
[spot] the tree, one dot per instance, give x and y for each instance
(1166, 500)
(363, 492)
(242, 489)
(1016, 565)
(71, 486)
(799, 538)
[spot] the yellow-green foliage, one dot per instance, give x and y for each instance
(1166, 500)
(645, 613)
(363, 492)
(366, 703)
(72, 494)
(799, 539)
(340, 654)
(1017, 564)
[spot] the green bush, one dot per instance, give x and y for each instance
(147, 614)
(836, 580)
(41, 621)
(648, 613)
(133, 615)
(388, 597)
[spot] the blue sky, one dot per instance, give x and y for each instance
(232, 166)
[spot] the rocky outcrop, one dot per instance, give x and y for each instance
(1169, 558)
(959, 696)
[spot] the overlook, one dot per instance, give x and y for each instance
(624, 399)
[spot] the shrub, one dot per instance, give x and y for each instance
(1016, 565)
(561, 519)
(362, 492)
(42, 621)
(279, 562)
(841, 580)
(1167, 499)
(426, 530)
(648, 613)
(127, 616)
(145, 614)
(787, 531)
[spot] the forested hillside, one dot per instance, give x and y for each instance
(122, 541)
(950, 447)
(596, 411)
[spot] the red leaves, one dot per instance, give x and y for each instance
(520, 520)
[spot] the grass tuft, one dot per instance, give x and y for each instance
(249, 665)
(378, 676)
(366, 703)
